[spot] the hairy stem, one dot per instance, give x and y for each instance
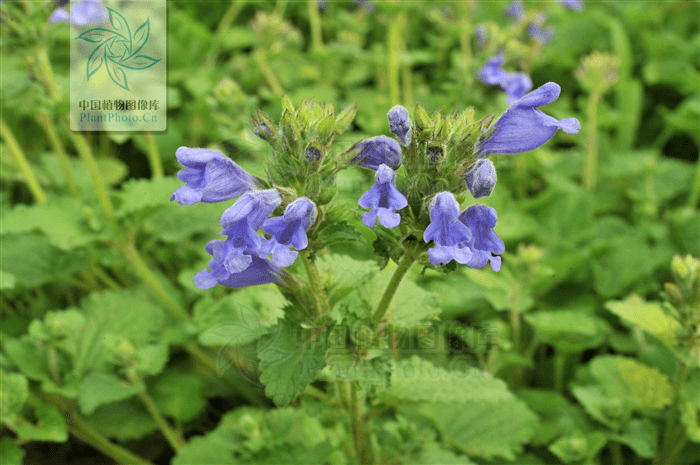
(315, 23)
(24, 166)
(316, 284)
(153, 157)
(399, 273)
(590, 169)
(173, 438)
(364, 454)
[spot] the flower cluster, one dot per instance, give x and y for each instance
(467, 237)
(242, 258)
(515, 85)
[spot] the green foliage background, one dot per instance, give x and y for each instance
(576, 352)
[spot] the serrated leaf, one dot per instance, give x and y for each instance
(151, 359)
(647, 315)
(290, 358)
(50, 425)
(10, 452)
(14, 389)
(419, 380)
(141, 194)
(650, 389)
(641, 436)
(485, 430)
(569, 330)
(100, 388)
(202, 451)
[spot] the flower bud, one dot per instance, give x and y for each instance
(481, 178)
(400, 124)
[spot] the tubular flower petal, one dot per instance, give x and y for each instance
(379, 150)
(384, 199)
(516, 85)
(59, 15)
(210, 177)
(481, 178)
(480, 33)
(259, 271)
(452, 238)
(400, 124)
(515, 10)
(523, 127)
(288, 230)
(240, 223)
(492, 72)
(481, 220)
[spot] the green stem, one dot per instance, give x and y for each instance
(590, 168)
(695, 191)
(85, 433)
(153, 157)
(316, 284)
(559, 364)
(315, 24)
(515, 329)
(399, 273)
(270, 77)
(616, 452)
(24, 166)
(85, 153)
(145, 273)
(672, 416)
(358, 425)
(226, 20)
(174, 439)
(676, 450)
(59, 149)
(47, 72)
(393, 41)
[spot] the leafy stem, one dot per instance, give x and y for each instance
(319, 294)
(21, 160)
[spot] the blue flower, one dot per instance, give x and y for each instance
(369, 7)
(515, 10)
(210, 177)
(516, 85)
(481, 178)
(377, 151)
(451, 237)
(258, 271)
(263, 132)
(384, 199)
(480, 33)
(81, 14)
(240, 223)
(523, 127)
(481, 220)
(400, 124)
(312, 154)
(492, 72)
(576, 5)
(538, 32)
(288, 230)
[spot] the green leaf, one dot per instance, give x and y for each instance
(579, 447)
(611, 410)
(125, 420)
(14, 388)
(346, 273)
(10, 452)
(419, 380)
(485, 430)
(151, 359)
(7, 280)
(641, 436)
(31, 357)
(290, 358)
(569, 330)
(179, 395)
(202, 451)
(502, 290)
(99, 388)
(50, 425)
(649, 316)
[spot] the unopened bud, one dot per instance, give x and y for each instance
(481, 178)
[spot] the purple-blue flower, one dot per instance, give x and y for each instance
(263, 132)
(312, 154)
(485, 244)
(451, 237)
(523, 127)
(516, 85)
(481, 178)
(384, 199)
(240, 223)
(480, 33)
(369, 7)
(210, 177)
(515, 10)
(81, 14)
(400, 124)
(288, 230)
(258, 271)
(540, 34)
(377, 151)
(492, 72)
(576, 5)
